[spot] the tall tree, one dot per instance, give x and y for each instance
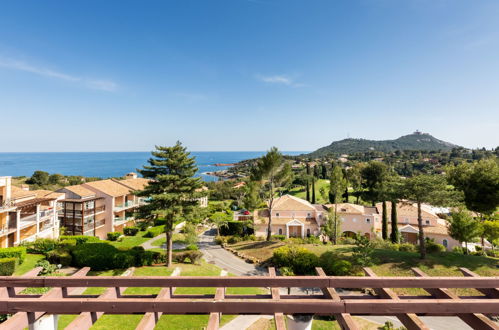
(173, 189)
(373, 176)
(394, 234)
(324, 171)
(308, 181)
(313, 191)
(430, 189)
(463, 228)
(274, 173)
(355, 179)
(384, 221)
(337, 185)
(479, 182)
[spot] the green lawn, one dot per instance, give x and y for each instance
(28, 264)
(301, 193)
(177, 238)
(131, 241)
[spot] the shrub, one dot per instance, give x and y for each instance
(159, 222)
(41, 245)
(332, 264)
(251, 237)
(278, 237)
(220, 240)
(239, 228)
(60, 256)
(123, 260)
(313, 240)
(7, 266)
(458, 249)
(362, 252)
(299, 259)
(130, 231)
(192, 256)
(47, 267)
(113, 236)
(407, 247)
(18, 252)
(346, 240)
(154, 231)
(101, 256)
(80, 239)
(142, 225)
(67, 244)
(492, 253)
(192, 247)
(234, 239)
(435, 248)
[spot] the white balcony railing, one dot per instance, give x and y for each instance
(126, 205)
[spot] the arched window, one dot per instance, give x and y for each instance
(308, 232)
(445, 243)
(280, 231)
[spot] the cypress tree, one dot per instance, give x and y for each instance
(308, 191)
(384, 223)
(324, 171)
(313, 190)
(173, 189)
(394, 236)
(308, 182)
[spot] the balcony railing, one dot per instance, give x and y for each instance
(6, 204)
(122, 219)
(29, 218)
(126, 205)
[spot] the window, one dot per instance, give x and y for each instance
(368, 220)
(308, 232)
(427, 222)
(280, 231)
(445, 243)
(354, 219)
(308, 215)
(406, 220)
(277, 214)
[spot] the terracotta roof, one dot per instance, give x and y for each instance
(135, 184)
(438, 230)
(47, 193)
(406, 209)
(283, 221)
(291, 203)
(80, 190)
(18, 193)
(109, 187)
(348, 208)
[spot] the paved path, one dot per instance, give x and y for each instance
(148, 244)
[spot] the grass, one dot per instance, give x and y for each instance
(177, 238)
(131, 241)
(28, 264)
(301, 193)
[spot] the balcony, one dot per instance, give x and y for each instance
(6, 204)
(120, 220)
(126, 205)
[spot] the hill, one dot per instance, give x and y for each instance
(414, 141)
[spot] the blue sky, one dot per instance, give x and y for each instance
(245, 74)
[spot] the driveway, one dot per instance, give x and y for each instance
(215, 254)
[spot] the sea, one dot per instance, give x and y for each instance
(112, 164)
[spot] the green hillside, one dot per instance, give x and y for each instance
(415, 141)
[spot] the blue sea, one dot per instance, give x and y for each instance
(111, 164)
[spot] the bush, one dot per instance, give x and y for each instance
(407, 247)
(313, 240)
(80, 239)
(299, 259)
(113, 236)
(154, 231)
(435, 248)
(492, 253)
(458, 249)
(18, 252)
(130, 231)
(41, 245)
(47, 267)
(159, 222)
(192, 256)
(278, 237)
(192, 247)
(7, 266)
(142, 225)
(60, 256)
(333, 265)
(251, 237)
(66, 244)
(346, 240)
(234, 239)
(238, 228)
(220, 240)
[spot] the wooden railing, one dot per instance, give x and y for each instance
(61, 299)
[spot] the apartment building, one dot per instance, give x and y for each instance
(26, 215)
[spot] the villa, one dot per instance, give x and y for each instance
(295, 217)
(26, 215)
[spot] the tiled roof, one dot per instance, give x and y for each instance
(283, 221)
(18, 193)
(135, 184)
(406, 210)
(348, 208)
(109, 187)
(80, 190)
(291, 203)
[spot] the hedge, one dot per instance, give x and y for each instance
(60, 256)
(41, 245)
(239, 228)
(299, 259)
(18, 252)
(332, 264)
(154, 231)
(130, 231)
(80, 239)
(102, 256)
(113, 236)
(7, 266)
(192, 255)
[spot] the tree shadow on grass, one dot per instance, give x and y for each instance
(260, 245)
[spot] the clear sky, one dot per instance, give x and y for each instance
(245, 74)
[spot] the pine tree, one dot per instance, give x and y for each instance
(384, 222)
(313, 190)
(394, 235)
(173, 189)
